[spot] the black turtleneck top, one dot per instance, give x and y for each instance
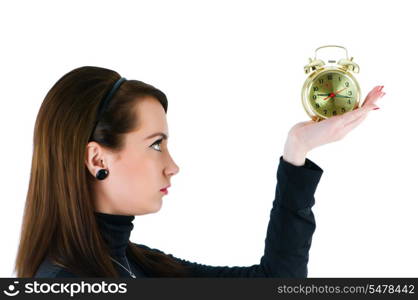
(287, 244)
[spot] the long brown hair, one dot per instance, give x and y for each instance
(59, 221)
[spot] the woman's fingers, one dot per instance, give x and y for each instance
(370, 95)
(374, 95)
(368, 104)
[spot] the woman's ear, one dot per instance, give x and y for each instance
(94, 159)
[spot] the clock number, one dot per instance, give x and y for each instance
(339, 78)
(342, 109)
(325, 111)
(349, 101)
(315, 88)
(349, 93)
(334, 112)
(317, 105)
(329, 77)
(321, 81)
(314, 97)
(347, 84)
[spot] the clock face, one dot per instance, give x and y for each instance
(332, 93)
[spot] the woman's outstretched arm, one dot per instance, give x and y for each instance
(292, 223)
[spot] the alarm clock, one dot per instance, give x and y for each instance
(330, 89)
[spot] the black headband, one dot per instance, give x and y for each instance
(105, 102)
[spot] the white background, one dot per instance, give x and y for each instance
(233, 72)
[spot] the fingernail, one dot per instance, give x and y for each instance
(380, 88)
(376, 108)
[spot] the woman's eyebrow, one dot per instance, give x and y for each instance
(165, 136)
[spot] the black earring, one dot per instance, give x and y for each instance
(102, 174)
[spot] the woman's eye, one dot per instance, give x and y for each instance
(158, 143)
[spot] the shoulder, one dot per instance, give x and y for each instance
(47, 269)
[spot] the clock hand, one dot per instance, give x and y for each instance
(337, 92)
(342, 96)
(332, 95)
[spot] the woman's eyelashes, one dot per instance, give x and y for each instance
(158, 142)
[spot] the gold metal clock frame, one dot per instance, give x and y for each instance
(317, 68)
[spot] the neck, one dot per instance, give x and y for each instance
(116, 230)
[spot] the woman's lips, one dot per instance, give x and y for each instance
(165, 190)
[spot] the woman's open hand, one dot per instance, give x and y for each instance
(305, 136)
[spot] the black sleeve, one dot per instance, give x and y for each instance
(289, 231)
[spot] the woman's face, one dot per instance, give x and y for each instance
(139, 171)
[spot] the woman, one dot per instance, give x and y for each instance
(100, 159)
